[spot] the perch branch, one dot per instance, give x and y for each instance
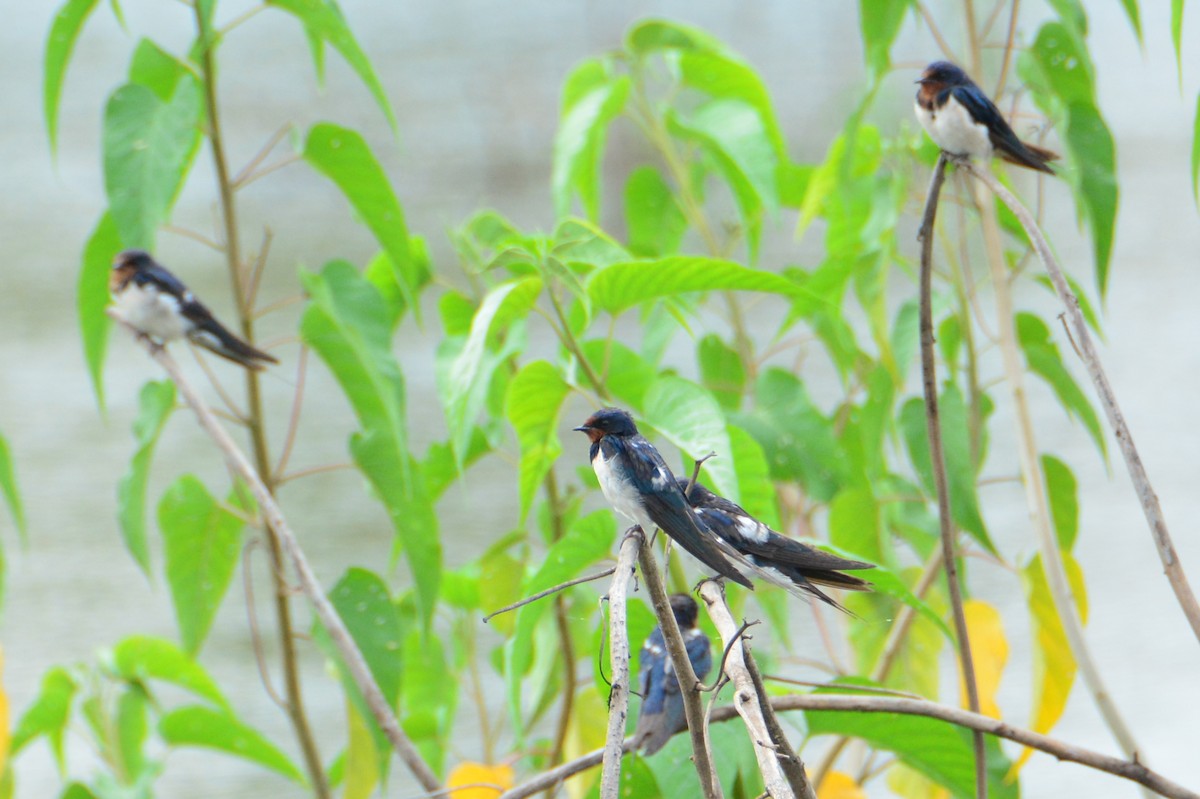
(618, 697)
(552, 590)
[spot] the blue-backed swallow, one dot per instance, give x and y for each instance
(779, 560)
(158, 305)
(637, 483)
(961, 120)
(662, 712)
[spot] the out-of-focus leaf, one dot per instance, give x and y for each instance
(1135, 21)
(323, 19)
(197, 725)
(380, 272)
(64, 31)
(202, 541)
(475, 780)
(342, 155)
(626, 373)
(733, 760)
(721, 371)
(155, 403)
(723, 75)
(1196, 153)
(1064, 500)
(348, 324)
(12, 495)
(131, 729)
(652, 215)
(362, 600)
(854, 523)
(1044, 360)
(93, 299)
(837, 785)
(880, 21)
(960, 472)
(657, 34)
(362, 765)
(535, 398)
(622, 286)
(1176, 33)
(47, 715)
(757, 494)
(156, 69)
(428, 696)
(691, 419)
(140, 657)
(149, 146)
(989, 650)
(1054, 665)
(592, 98)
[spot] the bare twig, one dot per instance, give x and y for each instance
(552, 590)
(746, 698)
(356, 667)
(719, 679)
(789, 758)
(684, 674)
(938, 464)
(618, 697)
(1133, 461)
(548, 779)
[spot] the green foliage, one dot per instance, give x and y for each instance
(155, 404)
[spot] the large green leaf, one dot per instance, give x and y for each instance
(721, 371)
(534, 400)
(323, 20)
(64, 31)
(197, 725)
(733, 759)
(48, 715)
(880, 21)
(342, 155)
(655, 222)
(689, 417)
(348, 324)
(429, 696)
(1062, 489)
(156, 69)
(1044, 360)
(8, 487)
(93, 298)
(155, 403)
(141, 657)
(362, 600)
(621, 286)
(627, 374)
(723, 75)
(149, 146)
(202, 541)
(592, 98)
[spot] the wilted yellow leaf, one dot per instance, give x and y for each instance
(1053, 664)
(989, 651)
(837, 785)
(479, 781)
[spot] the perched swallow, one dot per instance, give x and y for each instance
(155, 302)
(637, 483)
(961, 120)
(780, 560)
(662, 713)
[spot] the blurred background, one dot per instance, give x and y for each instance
(475, 86)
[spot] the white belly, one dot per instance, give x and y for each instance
(621, 494)
(954, 130)
(152, 312)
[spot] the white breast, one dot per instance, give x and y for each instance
(151, 311)
(621, 494)
(954, 130)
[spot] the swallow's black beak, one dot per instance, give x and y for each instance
(583, 428)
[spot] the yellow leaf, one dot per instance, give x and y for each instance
(837, 785)
(479, 781)
(362, 765)
(585, 732)
(989, 651)
(911, 784)
(5, 728)
(1053, 664)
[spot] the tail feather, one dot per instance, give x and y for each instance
(215, 338)
(1030, 156)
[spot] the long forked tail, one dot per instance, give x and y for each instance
(1030, 156)
(214, 337)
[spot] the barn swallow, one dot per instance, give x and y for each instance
(637, 483)
(662, 713)
(780, 560)
(158, 305)
(961, 120)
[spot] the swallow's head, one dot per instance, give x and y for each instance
(126, 265)
(608, 422)
(941, 75)
(685, 610)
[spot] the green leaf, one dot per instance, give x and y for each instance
(364, 765)
(1062, 489)
(734, 136)
(653, 217)
(960, 471)
(756, 492)
(342, 155)
(733, 760)
(140, 657)
(362, 600)
(155, 403)
(1135, 21)
(322, 19)
(94, 298)
(626, 373)
(1094, 151)
(1196, 152)
(721, 371)
(656, 34)
(156, 69)
(131, 730)
(592, 98)
(8, 486)
(937, 749)
(854, 524)
(691, 419)
(880, 21)
(1177, 36)
(430, 694)
(532, 405)
(196, 725)
(348, 324)
(468, 377)
(621, 286)
(725, 76)
(149, 146)
(48, 715)
(1044, 360)
(202, 542)
(64, 31)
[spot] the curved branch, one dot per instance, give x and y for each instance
(618, 697)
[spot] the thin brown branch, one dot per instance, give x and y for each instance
(618, 696)
(252, 619)
(289, 439)
(686, 676)
(554, 776)
(1009, 45)
(261, 155)
(552, 590)
(309, 471)
(938, 463)
(260, 264)
(356, 666)
(1108, 400)
(719, 680)
(194, 235)
(789, 758)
